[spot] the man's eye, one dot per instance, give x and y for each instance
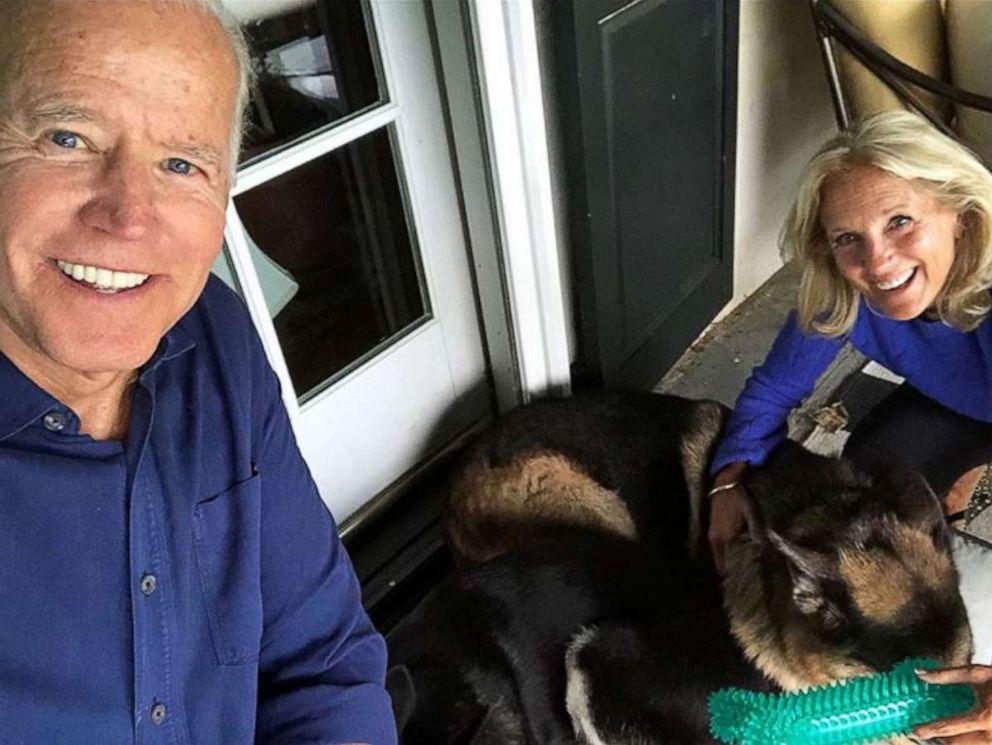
(180, 166)
(65, 139)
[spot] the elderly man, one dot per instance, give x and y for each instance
(168, 573)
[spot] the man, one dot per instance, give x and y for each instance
(168, 573)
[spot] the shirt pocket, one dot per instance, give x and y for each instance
(226, 539)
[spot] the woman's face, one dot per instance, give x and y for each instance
(892, 239)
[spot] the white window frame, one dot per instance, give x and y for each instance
(509, 205)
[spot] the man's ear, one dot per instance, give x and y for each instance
(809, 571)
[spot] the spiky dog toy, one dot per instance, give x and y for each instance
(857, 711)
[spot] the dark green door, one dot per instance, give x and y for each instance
(652, 88)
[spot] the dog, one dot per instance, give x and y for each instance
(595, 461)
(587, 624)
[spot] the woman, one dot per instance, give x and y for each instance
(892, 228)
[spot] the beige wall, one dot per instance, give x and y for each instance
(783, 113)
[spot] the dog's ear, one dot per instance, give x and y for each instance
(399, 684)
(810, 571)
(911, 495)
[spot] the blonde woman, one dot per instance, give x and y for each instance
(892, 227)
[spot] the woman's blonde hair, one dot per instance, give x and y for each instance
(908, 147)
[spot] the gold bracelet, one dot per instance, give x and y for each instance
(723, 487)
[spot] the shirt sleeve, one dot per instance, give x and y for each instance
(759, 420)
(321, 663)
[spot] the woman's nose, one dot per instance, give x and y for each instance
(122, 202)
(876, 252)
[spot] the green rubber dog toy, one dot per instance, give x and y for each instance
(857, 711)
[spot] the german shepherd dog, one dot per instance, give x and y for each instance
(595, 615)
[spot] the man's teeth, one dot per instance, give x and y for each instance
(102, 279)
(895, 282)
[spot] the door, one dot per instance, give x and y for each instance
(344, 237)
(652, 83)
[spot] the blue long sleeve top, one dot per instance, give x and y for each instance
(952, 367)
(187, 587)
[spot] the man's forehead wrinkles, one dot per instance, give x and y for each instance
(54, 107)
(60, 114)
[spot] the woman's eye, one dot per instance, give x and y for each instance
(900, 221)
(180, 166)
(68, 140)
(845, 239)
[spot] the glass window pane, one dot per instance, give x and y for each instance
(316, 64)
(335, 257)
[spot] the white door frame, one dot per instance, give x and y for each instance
(489, 56)
(489, 59)
(377, 421)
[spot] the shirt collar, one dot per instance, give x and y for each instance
(175, 342)
(23, 401)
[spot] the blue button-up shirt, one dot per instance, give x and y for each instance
(187, 586)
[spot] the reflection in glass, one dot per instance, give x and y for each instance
(332, 245)
(315, 63)
(278, 287)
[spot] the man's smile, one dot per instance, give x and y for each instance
(102, 278)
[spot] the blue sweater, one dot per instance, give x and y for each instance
(949, 366)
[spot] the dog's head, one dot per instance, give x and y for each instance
(857, 570)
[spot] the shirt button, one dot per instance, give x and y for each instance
(148, 584)
(158, 713)
(54, 421)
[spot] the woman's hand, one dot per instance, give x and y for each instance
(731, 511)
(972, 728)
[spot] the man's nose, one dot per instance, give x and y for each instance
(123, 200)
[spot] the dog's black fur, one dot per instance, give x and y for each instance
(488, 647)
(632, 631)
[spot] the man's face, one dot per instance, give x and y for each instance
(114, 162)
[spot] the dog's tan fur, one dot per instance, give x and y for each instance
(490, 506)
(536, 488)
(880, 590)
(773, 635)
(778, 639)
